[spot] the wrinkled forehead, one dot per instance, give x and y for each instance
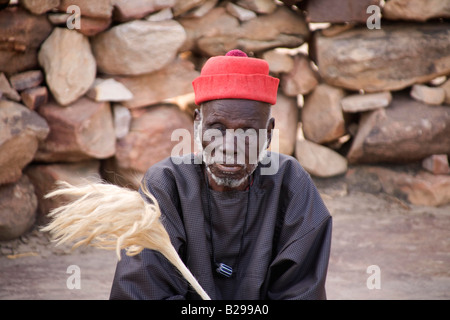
(236, 111)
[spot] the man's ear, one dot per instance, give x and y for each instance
(270, 127)
(197, 116)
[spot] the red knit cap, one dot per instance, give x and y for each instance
(235, 76)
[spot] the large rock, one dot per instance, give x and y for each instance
(278, 62)
(319, 160)
(322, 116)
(21, 34)
(382, 60)
(125, 10)
(215, 23)
(148, 141)
(96, 16)
(183, 6)
(138, 47)
(68, 63)
(302, 79)
(21, 130)
(415, 186)
(285, 112)
(425, 189)
(45, 176)
(80, 131)
(95, 9)
(339, 11)
(217, 32)
(39, 6)
(93, 26)
(174, 80)
(406, 131)
(417, 10)
(18, 205)
(89, 26)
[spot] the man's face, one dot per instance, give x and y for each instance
(231, 138)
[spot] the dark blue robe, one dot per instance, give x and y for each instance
(283, 252)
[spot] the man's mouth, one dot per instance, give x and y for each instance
(229, 168)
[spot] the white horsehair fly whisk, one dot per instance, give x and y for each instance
(110, 217)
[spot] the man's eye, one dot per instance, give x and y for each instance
(222, 129)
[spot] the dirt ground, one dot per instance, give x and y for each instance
(383, 248)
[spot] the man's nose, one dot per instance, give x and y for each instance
(230, 142)
(227, 148)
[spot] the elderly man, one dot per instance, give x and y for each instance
(244, 233)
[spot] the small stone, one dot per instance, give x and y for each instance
(241, 13)
(184, 6)
(7, 90)
(164, 14)
(39, 6)
(109, 90)
(446, 87)
(259, 6)
(429, 95)
(436, 164)
(92, 26)
(26, 80)
(278, 62)
(88, 8)
(365, 102)
(58, 18)
(34, 97)
(336, 29)
(125, 10)
(201, 10)
(122, 120)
